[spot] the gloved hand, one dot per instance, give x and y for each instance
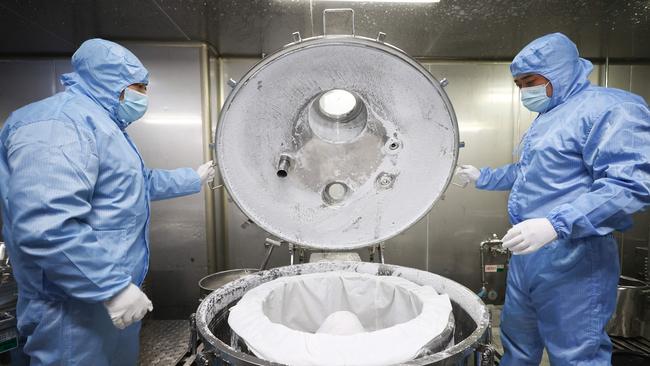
(128, 306)
(205, 172)
(529, 235)
(468, 173)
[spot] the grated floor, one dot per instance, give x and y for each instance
(163, 342)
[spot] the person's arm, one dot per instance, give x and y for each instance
(498, 179)
(617, 151)
(53, 174)
(164, 184)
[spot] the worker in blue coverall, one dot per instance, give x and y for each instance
(584, 169)
(75, 208)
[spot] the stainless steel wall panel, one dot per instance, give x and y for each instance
(486, 104)
(170, 136)
(25, 81)
(634, 78)
(448, 29)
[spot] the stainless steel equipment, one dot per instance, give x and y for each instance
(338, 143)
(217, 280)
(494, 270)
(471, 335)
(628, 318)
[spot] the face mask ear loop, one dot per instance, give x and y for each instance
(516, 151)
(550, 98)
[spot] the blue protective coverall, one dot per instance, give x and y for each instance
(585, 166)
(75, 207)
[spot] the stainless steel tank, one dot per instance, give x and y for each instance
(335, 143)
(471, 333)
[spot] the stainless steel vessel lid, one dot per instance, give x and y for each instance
(336, 142)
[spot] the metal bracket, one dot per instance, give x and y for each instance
(378, 249)
(270, 244)
(341, 10)
(444, 82)
(296, 37)
(291, 254)
(484, 355)
(381, 36)
(205, 358)
(232, 83)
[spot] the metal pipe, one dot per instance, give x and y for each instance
(283, 166)
(210, 224)
(607, 71)
(270, 245)
(222, 241)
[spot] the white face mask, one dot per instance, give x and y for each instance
(132, 107)
(535, 99)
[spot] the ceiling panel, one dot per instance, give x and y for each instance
(477, 29)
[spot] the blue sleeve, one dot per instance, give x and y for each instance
(617, 151)
(53, 169)
(164, 184)
(499, 179)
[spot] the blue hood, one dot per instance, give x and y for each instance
(102, 69)
(556, 58)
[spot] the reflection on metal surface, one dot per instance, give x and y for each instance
(631, 301)
(475, 29)
(175, 139)
(171, 119)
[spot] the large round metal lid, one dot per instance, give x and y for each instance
(336, 143)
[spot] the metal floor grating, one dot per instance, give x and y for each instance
(639, 344)
(163, 342)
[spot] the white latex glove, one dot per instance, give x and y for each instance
(468, 173)
(528, 236)
(205, 172)
(128, 306)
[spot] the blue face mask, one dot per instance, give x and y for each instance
(131, 108)
(534, 98)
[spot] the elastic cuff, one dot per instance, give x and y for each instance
(555, 217)
(484, 178)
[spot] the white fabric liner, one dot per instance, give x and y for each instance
(279, 319)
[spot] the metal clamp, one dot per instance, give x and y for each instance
(340, 10)
(484, 355)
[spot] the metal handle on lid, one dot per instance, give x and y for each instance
(341, 10)
(211, 181)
